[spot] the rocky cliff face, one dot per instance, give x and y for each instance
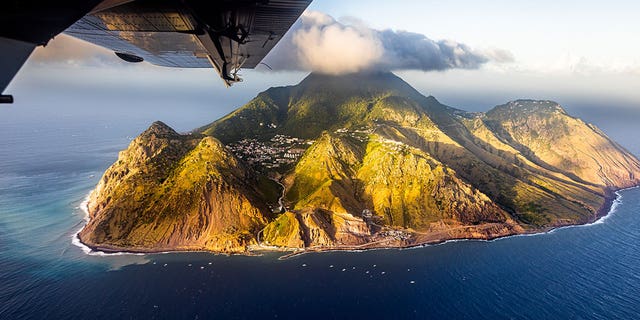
(347, 189)
(389, 167)
(552, 138)
(175, 192)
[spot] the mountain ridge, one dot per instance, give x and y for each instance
(382, 166)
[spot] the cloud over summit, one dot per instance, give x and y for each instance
(320, 43)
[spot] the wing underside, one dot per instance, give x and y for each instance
(25, 24)
(226, 35)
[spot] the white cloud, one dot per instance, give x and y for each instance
(334, 48)
(67, 50)
(320, 43)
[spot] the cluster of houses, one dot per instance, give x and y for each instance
(361, 134)
(279, 152)
(395, 234)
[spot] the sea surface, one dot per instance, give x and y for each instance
(50, 158)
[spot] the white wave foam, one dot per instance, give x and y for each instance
(614, 207)
(75, 240)
(441, 243)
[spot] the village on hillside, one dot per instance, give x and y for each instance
(278, 153)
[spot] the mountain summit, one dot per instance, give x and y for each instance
(322, 102)
(357, 161)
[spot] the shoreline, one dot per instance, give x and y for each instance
(612, 200)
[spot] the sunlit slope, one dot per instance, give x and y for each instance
(551, 138)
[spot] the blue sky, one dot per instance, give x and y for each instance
(576, 51)
(582, 54)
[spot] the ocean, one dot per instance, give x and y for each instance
(51, 157)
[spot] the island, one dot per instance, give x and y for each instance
(355, 162)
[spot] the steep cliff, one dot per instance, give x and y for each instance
(175, 192)
(551, 138)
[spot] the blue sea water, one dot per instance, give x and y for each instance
(50, 158)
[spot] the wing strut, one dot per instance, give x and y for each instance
(235, 33)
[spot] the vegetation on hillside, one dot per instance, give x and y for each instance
(389, 167)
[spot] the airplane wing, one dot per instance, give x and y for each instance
(222, 34)
(226, 35)
(25, 24)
